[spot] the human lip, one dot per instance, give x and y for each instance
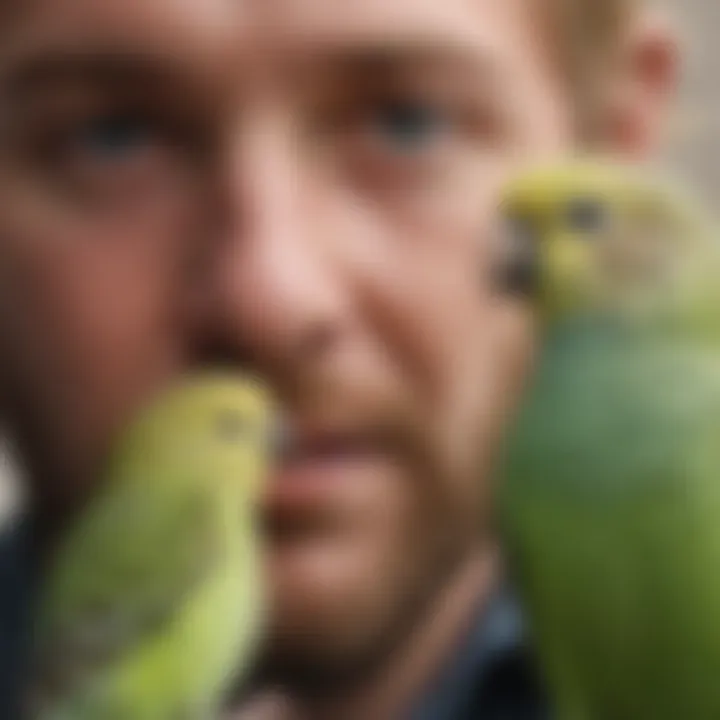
(297, 442)
(315, 465)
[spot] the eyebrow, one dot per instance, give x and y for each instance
(366, 66)
(400, 56)
(395, 51)
(25, 76)
(144, 72)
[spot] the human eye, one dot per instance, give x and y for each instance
(111, 139)
(408, 135)
(406, 125)
(395, 138)
(106, 155)
(400, 128)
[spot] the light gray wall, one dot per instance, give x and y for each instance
(695, 143)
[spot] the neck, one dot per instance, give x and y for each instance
(391, 690)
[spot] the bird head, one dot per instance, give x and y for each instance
(211, 427)
(583, 235)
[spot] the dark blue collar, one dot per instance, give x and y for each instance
(17, 579)
(492, 675)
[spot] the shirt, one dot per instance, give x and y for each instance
(16, 597)
(492, 675)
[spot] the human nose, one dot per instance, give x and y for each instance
(272, 297)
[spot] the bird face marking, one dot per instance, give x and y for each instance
(587, 216)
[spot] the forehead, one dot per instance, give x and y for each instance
(230, 34)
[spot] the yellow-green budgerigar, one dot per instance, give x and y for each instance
(611, 497)
(154, 602)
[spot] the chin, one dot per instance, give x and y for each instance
(320, 575)
(323, 607)
(341, 601)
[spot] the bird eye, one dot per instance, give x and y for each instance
(231, 426)
(587, 215)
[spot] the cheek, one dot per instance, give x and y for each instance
(459, 350)
(429, 305)
(90, 316)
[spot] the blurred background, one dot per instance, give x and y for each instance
(693, 148)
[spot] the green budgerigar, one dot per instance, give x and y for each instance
(610, 501)
(153, 605)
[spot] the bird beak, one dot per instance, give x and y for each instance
(519, 271)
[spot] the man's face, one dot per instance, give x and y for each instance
(301, 187)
